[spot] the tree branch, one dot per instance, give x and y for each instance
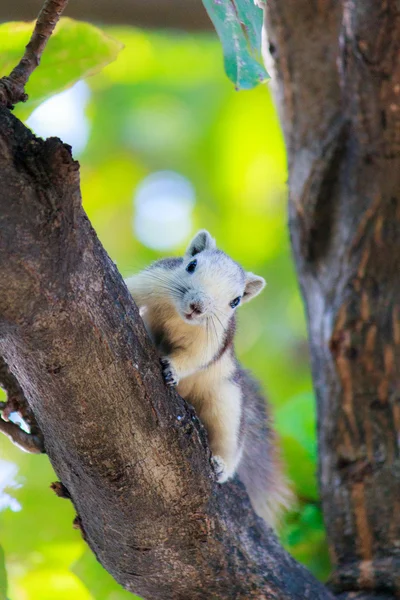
(337, 66)
(12, 87)
(131, 454)
(16, 402)
(25, 441)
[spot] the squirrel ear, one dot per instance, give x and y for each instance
(254, 285)
(201, 241)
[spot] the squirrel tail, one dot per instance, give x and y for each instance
(261, 467)
(277, 496)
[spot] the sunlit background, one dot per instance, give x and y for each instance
(167, 146)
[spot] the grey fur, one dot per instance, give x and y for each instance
(260, 466)
(167, 263)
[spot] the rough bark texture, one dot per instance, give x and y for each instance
(337, 69)
(183, 14)
(131, 455)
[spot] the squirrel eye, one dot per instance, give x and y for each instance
(191, 266)
(235, 302)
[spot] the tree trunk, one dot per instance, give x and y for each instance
(337, 78)
(130, 454)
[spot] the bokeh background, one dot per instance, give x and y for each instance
(166, 146)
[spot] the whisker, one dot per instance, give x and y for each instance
(219, 320)
(215, 331)
(221, 311)
(167, 285)
(166, 281)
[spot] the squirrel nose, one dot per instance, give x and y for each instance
(196, 307)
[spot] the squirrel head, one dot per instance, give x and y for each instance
(212, 284)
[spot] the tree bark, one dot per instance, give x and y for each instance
(337, 78)
(131, 454)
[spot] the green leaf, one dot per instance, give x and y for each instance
(238, 24)
(75, 50)
(99, 583)
(3, 576)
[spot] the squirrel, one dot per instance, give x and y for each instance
(188, 306)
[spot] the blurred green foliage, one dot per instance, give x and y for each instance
(75, 50)
(99, 583)
(3, 576)
(167, 104)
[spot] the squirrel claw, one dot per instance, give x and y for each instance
(169, 373)
(220, 469)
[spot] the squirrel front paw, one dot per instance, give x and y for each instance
(169, 372)
(220, 469)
